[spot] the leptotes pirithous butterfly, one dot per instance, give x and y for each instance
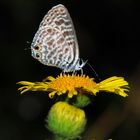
(55, 43)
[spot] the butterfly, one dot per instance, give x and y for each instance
(55, 42)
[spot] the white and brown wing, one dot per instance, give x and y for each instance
(56, 40)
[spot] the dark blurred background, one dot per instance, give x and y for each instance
(108, 36)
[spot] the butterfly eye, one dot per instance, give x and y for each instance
(36, 47)
(38, 55)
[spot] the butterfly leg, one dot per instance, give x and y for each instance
(81, 71)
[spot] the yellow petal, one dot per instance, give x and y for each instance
(25, 83)
(51, 95)
(75, 92)
(50, 78)
(114, 84)
(70, 94)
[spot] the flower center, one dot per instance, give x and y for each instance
(70, 82)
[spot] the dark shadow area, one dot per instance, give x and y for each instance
(108, 37)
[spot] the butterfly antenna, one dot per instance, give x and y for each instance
(96, 74)
(28, 42)
(27, 48)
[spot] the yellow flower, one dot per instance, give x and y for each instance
(72, 84)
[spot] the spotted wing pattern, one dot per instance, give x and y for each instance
(55, 43)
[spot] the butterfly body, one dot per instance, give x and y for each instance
(55, 43)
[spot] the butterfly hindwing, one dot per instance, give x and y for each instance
(56, 40)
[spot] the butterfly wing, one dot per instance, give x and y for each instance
(56, 40)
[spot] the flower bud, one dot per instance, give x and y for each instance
(66, 121)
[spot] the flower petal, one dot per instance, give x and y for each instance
(51, 95)
(49, 78)
(113, 84)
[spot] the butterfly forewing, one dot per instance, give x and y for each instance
(56, 40)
